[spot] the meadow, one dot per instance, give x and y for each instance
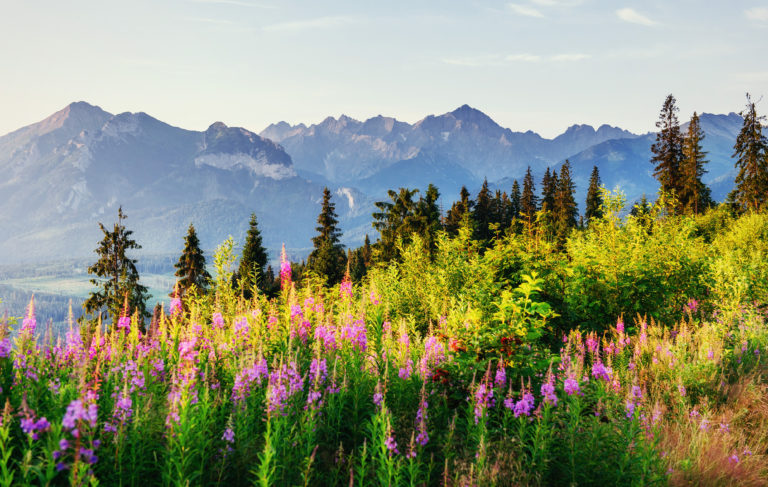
(632, 354)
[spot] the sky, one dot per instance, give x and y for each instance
(538, 65)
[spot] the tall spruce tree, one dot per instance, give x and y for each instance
(190, 269)
(594, 207)
(253, 263)
(459, 213)
(694, 194)
(395, 218)
(483, 213)
(514, 203)
(529, 203)
(427, 216)
(565, 210)
(117, 278)
(328, 257)
(668, 148)
(751, 153)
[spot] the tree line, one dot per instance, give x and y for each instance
(550, 215)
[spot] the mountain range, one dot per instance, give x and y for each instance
(73, 169)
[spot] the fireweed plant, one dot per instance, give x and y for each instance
(465, 379)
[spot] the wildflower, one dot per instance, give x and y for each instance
(78, 411)
(620, 326)
(377, 398)
(483, 400)
(501, 376)
(374, 297)
(218, 321)
(30, 322)
(571, 386)
(421, 423)
(733, 459)
(124, 324)
(228, 436)
(285, 270)
(405, 372)
(391, 444)
(600, 371)
(525, 405)
(175, 307)
(345, 288)
(548, 392)
(681, 390)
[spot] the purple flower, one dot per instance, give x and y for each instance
(421, 424)
(175, 306)
(345, 288)
(285, 270)
(692, 305)
(620, 326)
(525, 405)
(571, 386)
(228, 436)
(377, 398)
(218, 320)
(501, 376)
(600, 371)
(548, 392)
(78, 411)
(124, 324)
(391, 444)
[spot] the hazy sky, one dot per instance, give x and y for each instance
(530, 64)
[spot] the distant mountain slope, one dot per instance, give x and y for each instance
(73, 169)
(66, 173)
(464, 141)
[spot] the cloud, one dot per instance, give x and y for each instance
(570, 57)
(557, 3)
(759, 14)
(525, 10)
(634, 17)
(487, 60)
(209, 20)
(528, 58)
(238, 3)
(318, 23)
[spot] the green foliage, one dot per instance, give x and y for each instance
(117, 279)
(327, 258)
(251, 272)
(751, 153)
(190, 269)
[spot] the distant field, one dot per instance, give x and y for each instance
(79, 286)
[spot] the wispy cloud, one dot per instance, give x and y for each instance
(757, 13)
(238, 3)
(524, 10)
(557, 3)
(207, 20)
(527, 58)
(318, 23)
(634, 17)
(570, 57)
(487, 60)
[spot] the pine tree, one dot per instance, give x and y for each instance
(394, 219)
(190, 269)
(483, 213)
(253, 262)
(751, 153)
(460, 211)
(547, 217)
(565, 209)
(514, 204)
(668, 148)
(528, 201)
(427, 216)
(328, 257)
(594, 207)
(693, 192)
(116, 276)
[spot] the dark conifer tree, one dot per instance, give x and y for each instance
(367, 253)
(253, 262)
(427, 215)
(565, 210)
(529, 203)
(548, 190)
(328, 257)
(190, 269)
(483, 213)
(117, 278)
(668, 148)
(694, 194)
(395, 219)
(594, 207)
(641, 208)
(514, 203)
(459, 213)
(751, 153)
